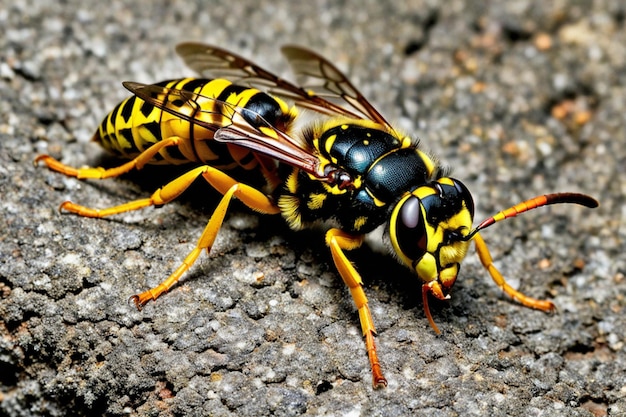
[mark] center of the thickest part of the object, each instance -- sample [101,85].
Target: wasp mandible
[350,168]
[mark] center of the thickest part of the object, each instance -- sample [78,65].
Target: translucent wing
[213,62]
[318,76]
[328,82]
[231,124]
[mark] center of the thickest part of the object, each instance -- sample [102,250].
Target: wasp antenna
[533,203]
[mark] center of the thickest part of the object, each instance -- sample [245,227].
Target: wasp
[349,169]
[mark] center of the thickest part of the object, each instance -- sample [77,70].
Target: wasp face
[427,231]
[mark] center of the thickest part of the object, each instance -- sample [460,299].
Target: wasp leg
[248,195]
[222,182]
[251,197]
[102,173]
[487,261]
[338,241]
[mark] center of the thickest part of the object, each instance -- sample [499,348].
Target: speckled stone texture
[518,98]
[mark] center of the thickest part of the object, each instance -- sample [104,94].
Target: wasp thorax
[428,228]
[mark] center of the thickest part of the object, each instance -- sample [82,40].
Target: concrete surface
[519,98]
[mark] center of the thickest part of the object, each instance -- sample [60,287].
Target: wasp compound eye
[410,213]
[410,232]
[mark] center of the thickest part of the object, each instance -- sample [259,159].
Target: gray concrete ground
[519,98]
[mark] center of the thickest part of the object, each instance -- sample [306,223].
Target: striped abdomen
[134,125]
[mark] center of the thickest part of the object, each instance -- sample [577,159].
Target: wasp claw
[39,158]
[137,301]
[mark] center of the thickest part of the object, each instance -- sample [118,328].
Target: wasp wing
[232,124]
[319,77]
[213,62]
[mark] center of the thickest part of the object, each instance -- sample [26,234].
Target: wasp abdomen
[134,124]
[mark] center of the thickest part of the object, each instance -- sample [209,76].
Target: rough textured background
[518,97]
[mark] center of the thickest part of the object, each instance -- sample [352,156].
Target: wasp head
[429,231]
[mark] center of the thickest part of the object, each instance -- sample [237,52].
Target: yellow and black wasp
[350,168]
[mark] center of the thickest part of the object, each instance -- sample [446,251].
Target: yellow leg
[338,241]
[101,173]
[252,197]
[487,261]
[222,182]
